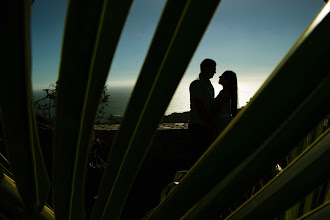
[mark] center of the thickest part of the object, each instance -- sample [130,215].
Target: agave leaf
[4,166]
[327,193]
[164,66]
[277,99]
[231,187]
[274,197]
[91,35]
[321,212]
[293,212]
[17,110]
[308,203]
[11,204]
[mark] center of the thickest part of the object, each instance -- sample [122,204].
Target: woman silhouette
[225,104]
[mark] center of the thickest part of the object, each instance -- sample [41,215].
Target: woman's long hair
[231,76]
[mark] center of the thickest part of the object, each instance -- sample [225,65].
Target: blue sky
[248,37]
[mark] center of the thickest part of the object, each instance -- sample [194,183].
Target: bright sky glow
[248,37]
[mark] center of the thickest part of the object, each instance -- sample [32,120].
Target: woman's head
[229,81]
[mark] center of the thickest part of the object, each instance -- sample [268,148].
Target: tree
[47,104]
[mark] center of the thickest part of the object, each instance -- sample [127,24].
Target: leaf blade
[98,37]
[313,162]
[160,72]
[18,117]
[229,189]
[218,160]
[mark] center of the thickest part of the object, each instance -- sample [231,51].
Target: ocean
[119,97]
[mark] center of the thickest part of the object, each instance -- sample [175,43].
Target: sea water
[119,98]
[120,95]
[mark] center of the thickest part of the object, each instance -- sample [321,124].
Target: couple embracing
[209,115]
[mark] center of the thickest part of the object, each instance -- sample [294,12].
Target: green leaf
[308,203]
[292,213]
[91,35]
[164,66]
[11,204]
[322,212]
[17,110]
[4,166]
[310,168]
[294,79]
[265,157]
[327,193]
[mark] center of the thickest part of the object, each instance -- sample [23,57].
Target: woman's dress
[223,117]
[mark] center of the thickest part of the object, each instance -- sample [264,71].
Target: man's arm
[204,116]
[199,101]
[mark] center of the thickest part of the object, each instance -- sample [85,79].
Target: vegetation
[46,105]
[288,105]
[46,108]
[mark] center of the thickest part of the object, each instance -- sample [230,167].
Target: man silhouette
[201,98]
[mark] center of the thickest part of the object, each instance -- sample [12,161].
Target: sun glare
[181,99]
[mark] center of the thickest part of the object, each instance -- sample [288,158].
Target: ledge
[163,126]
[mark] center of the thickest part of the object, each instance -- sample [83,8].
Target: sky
[248,37]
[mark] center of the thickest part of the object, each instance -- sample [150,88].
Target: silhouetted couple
[208,115]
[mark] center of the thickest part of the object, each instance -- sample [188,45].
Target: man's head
[208,68]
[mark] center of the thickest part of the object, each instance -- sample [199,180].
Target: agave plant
[91,35]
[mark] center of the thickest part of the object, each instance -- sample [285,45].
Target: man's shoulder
[195,83]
